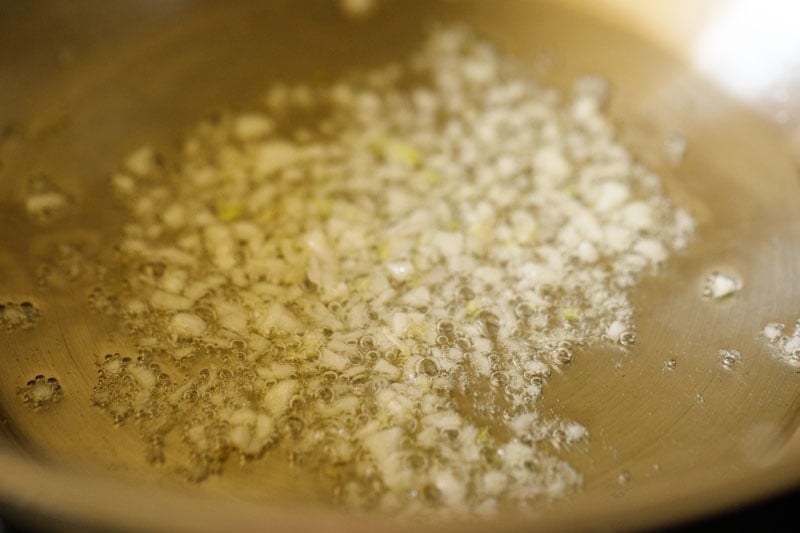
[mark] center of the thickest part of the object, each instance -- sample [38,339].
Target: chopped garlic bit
[773,331]
[785,344]
[675,148]
[187,325]
[141,162]
[719,285]
[253,126]
[44,200]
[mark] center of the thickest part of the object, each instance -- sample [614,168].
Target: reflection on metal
[751,46]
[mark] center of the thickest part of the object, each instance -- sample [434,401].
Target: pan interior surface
[91,83]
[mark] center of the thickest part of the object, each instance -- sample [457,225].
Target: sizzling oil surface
[73,122]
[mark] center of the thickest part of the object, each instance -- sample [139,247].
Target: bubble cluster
[40,392]
[15,316]
[103,301]
[66,263]
[44,200]
[785,344]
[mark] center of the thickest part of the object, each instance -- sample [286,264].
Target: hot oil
[89,338]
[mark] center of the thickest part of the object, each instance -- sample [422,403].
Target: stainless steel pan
[82,83]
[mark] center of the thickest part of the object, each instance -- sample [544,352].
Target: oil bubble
[421,349]
[490,323]
[627,338]
[729,358]
[499,379]
[465,293]
[416,461]
[428,367]
[367,342]
[562,357]
[465,344]
[445,327]
[324,394]
[524,310]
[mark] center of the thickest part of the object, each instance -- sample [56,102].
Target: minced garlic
[383,297]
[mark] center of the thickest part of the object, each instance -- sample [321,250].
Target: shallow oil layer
[666,434]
